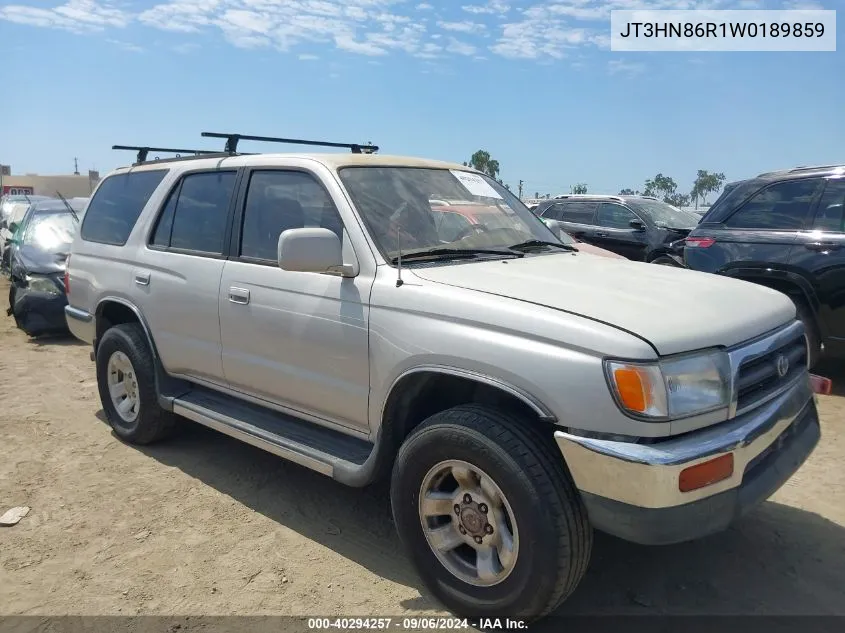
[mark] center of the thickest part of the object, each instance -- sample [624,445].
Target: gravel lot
[206,525]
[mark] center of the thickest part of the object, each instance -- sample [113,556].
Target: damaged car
[38,256]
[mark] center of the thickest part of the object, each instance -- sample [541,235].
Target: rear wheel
[126,382]
[488,514]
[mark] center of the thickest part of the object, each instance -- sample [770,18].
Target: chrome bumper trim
[646,475]
[77,314]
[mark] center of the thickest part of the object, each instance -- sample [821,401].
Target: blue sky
[533,82]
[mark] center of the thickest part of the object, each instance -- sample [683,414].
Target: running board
[332,453]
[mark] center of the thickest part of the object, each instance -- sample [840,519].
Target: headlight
[673,387]
[42,284]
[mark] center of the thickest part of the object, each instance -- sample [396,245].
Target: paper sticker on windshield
[475,184]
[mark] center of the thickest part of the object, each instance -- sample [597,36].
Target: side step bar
[342,457]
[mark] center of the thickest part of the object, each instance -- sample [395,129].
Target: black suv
[785,230]
[640,228]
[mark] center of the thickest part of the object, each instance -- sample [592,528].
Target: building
[70,186]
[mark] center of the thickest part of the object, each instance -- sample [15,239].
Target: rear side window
[579,212]
[782,206]
[196,214]
[831,214]
[114,209]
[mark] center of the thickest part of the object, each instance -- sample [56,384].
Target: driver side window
[614,216]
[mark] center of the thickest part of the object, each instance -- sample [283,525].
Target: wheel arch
[422,391]
[111,311]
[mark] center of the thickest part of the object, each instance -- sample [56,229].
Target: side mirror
[312,250]
[13,227]
[637,225]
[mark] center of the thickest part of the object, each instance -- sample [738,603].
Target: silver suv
[517,392]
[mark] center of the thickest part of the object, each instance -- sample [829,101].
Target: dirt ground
[204,524]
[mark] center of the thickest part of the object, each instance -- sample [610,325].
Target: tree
[660,187]
[482,162]
[706,183]
[627,192]
[580,188]
[677,200]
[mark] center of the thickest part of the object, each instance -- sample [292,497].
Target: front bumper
[38,313]
[631,490]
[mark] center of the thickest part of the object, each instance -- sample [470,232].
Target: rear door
[616,234]
[177,277]
[578,219]
[819,253]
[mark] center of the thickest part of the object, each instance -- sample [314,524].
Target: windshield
[665,215]
[403,207]
[50,231]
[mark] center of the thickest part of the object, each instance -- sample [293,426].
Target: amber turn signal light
[706,473]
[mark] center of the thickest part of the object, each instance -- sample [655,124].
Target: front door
[297,340]
[614,232]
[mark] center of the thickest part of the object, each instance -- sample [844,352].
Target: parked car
[12,210]
[637,227]
[518,393]
[38,255]
[784,230]
[459,219]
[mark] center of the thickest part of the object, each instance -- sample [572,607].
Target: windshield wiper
[69,208]
[449,253]
[535,243]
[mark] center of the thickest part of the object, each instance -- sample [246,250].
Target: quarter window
[115,207]
[783,206]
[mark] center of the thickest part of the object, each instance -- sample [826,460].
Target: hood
[42,262]
[674,309]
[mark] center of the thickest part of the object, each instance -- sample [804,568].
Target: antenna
[399,281]
[69,208]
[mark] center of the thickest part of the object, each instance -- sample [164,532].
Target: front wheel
[489,515]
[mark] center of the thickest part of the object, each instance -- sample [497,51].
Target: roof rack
[799,169]
[232,142]
[144,151]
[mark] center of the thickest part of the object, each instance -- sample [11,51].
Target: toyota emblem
[782,365]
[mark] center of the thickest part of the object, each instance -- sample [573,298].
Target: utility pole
[75,167]
[520,190]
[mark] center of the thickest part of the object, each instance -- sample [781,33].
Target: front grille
[758,377]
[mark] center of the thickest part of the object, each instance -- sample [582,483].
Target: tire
[665,261]
[121,344]
[805,315]
[549,521]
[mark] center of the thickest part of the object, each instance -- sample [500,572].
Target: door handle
[601,234]
[142,279]
[823,246]
[239,295]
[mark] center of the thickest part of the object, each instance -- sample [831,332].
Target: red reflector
[699,242]
[821,385]
[67,276]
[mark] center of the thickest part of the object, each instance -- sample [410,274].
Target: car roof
[801,172]
[333,161]
[598,197]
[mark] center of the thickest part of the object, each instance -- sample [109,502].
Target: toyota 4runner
[517,392]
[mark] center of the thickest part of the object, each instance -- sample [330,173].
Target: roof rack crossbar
[232,140]
[143,152]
